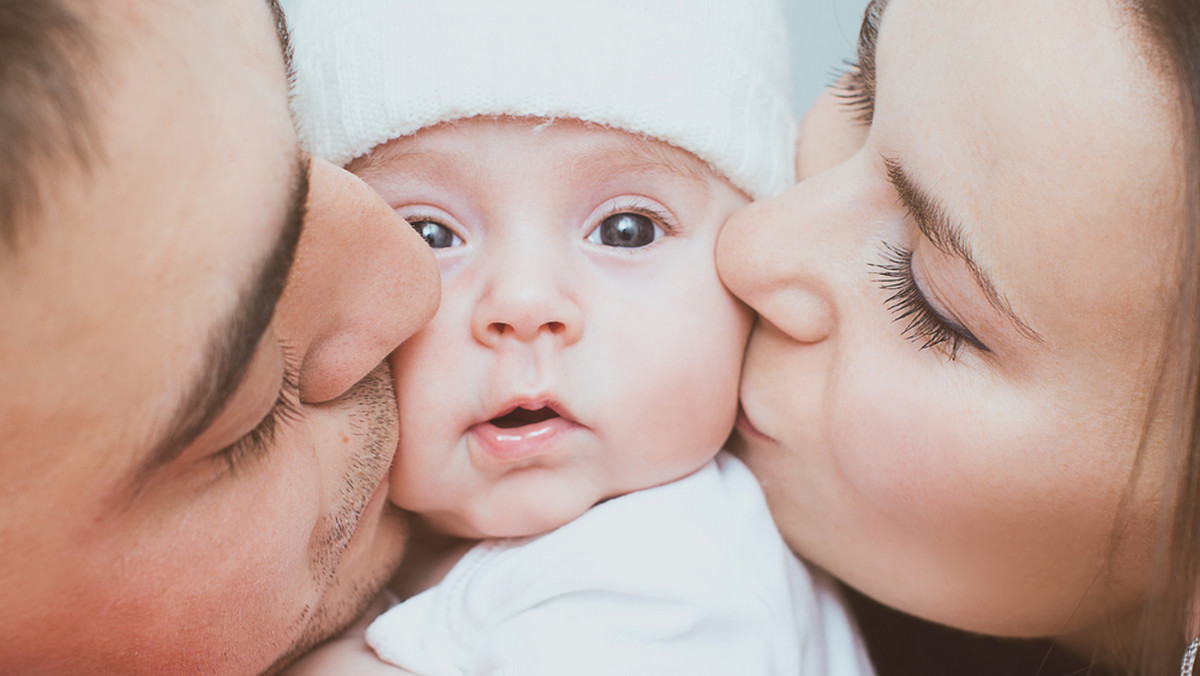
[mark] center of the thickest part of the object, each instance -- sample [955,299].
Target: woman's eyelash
[258,441]
[855,92]
[924,325]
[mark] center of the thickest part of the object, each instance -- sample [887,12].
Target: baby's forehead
[578,145]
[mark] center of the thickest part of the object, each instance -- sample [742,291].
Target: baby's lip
[528,411]
[523,430]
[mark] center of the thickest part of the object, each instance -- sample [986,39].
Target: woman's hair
[1169,617]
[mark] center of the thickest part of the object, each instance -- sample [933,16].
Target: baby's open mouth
[519,417]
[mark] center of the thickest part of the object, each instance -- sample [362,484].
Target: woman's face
[961,309]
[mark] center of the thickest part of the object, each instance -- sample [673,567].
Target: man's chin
[352,597]
[328,625]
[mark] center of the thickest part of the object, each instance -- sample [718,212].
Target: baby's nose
[527,302]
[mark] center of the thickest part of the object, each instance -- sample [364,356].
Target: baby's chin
[527,519]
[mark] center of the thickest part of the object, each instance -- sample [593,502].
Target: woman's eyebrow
[937,227]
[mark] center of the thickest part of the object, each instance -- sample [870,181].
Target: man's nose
[529,293]
[363,282]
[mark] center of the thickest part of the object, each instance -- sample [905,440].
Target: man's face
[138,534]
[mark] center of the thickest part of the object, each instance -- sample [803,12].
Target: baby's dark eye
[436,235]
[627,230]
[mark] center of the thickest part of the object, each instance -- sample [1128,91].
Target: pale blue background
[824,33]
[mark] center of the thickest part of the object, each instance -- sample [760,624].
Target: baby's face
[584,346]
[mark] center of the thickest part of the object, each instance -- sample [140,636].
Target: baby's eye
[628,230]
[435,234]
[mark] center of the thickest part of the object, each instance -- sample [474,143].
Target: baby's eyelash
[659,216]
[925,325]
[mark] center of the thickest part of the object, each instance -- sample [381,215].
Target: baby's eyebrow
[633,155]
[387,154]
[384,163]
[643,156]
[675,161]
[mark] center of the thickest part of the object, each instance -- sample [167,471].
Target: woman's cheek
[956,458]
[885,441]
[920,447]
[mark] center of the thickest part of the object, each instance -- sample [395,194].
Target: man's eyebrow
[947,237]
[233,342]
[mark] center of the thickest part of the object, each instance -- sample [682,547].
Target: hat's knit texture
[708,76]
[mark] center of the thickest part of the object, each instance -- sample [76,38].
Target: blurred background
[824,33]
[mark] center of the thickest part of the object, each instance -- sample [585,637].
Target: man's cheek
[243,586]
[251,531]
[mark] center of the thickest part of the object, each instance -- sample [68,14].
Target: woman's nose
[363,281]
[529,294]
[783,258]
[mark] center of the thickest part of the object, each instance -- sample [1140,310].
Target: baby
[571,164]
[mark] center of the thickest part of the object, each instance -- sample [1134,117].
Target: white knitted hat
[708,76]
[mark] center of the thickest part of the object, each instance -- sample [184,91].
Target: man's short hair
[47,53]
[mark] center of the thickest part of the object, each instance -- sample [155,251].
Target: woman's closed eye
[924,325]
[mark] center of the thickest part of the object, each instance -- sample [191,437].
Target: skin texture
[196,566]
[975,488]
[638,349]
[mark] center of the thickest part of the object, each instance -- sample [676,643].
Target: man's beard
[374,414]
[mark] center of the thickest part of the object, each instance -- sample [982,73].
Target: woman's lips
[521,433]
